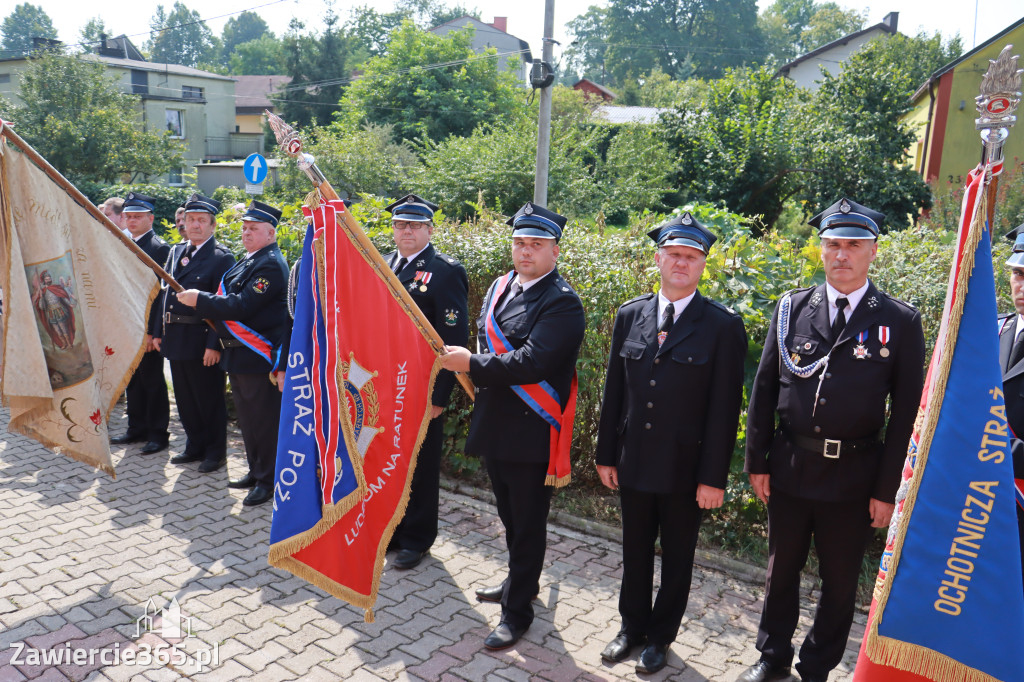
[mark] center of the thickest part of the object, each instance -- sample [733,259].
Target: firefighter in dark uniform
[148,406]
[1011,360]
[829,466]
[668,425]
[440,287]
[252,315]
[540,318]
[191,345]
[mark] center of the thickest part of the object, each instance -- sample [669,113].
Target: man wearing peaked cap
[191,346]
[529,334]
[251,309]
[440,287]
[148,406]
[1011,359]
[820,451]
[668,426]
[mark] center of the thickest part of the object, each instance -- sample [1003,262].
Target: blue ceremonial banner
[310,429]
[951,604]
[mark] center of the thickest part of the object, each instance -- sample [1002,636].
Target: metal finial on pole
[997,105]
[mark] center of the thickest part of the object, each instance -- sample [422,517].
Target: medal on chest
[860,351]
[420,280]
[883,336]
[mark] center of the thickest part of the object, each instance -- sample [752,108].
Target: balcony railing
[235,146]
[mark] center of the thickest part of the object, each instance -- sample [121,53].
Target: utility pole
[540,186]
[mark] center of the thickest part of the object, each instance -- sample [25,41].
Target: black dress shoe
[503,636]
[185,458]
[246,481]
[491,594]
[814,678]
[127,438]
[153,446]
[408,558]
[619,648]
[652,659]
[764,671]
[208,465]
[258,495]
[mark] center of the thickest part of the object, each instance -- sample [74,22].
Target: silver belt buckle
[167,318]
[832,448]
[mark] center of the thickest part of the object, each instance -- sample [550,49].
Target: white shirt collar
[136,239]
[1019,328]
[854,297]
[527,285]
[399,256]
[200,246]
[678,305]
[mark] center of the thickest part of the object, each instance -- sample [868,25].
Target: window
[190,92]
[176,123]
[176,177]
[140,82]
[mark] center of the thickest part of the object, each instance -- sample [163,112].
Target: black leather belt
[171,318]
[830,448]
[231,343]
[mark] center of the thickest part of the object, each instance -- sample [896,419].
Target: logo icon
[172,624]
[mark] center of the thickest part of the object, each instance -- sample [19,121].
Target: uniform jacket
[852,402]
[203,272]
[545,326]
[444,304]
[670,413]
[1013,377]
[157,249]
[255,295]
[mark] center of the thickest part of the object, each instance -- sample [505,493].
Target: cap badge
[528,209]
[845,206]
[687,220]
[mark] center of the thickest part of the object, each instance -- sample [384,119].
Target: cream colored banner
[75,307]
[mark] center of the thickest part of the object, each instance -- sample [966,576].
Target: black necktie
[401,265]
[666,323]
[1017,352]
[840,322]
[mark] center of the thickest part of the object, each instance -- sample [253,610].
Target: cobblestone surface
[81,555]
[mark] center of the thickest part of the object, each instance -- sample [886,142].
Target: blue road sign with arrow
[255,168]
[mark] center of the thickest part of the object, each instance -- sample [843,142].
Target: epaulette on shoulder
[446,259]
[798,290]
[724,308]
[900,302]
[643,297]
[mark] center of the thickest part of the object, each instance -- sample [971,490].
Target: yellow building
[947,143]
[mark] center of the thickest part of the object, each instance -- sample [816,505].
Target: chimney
[891,20]
[500,23]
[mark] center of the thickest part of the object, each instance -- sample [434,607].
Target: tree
[371,30]
[657,89]
[181,37]
[682,38]
[26,22]
[320,70]
[793,27]
[830,22]
[245,27]
[735,144]
[432,86]
[264,55]
[90,36]
[76,116]
[585,55]
[852,135]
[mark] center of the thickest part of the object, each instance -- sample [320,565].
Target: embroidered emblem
[873,302]
[364,404]
[261,285]
[816,298]
[451,317]
[420,263]
[845,206]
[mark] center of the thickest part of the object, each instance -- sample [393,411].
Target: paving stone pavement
[81,555]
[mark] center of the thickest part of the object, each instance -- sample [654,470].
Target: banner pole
[55,175]
[291,144]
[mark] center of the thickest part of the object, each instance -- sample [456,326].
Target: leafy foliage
[794,27]
[75,115]
[319,67]
[91,34]
[263,55]
[181,37]
[432,86]
[18,28]
[241,29]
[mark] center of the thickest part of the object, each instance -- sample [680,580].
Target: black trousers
[258,408]
[645,515]
[148,406]
[418,528]
[841,531]
[523,503]
[199,394]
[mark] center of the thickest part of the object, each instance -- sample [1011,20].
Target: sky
[975,20]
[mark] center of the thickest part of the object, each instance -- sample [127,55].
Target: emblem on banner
[363,403]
